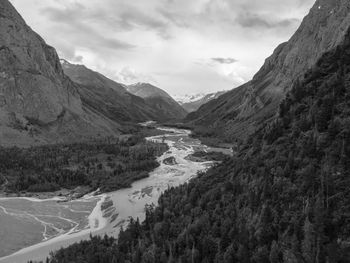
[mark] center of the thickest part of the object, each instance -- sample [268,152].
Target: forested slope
[283,198]
[103,165]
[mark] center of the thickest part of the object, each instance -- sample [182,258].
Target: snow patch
[188,98]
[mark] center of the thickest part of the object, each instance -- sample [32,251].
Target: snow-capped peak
[188,98]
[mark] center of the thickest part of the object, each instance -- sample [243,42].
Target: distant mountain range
[193,102]
[118,101]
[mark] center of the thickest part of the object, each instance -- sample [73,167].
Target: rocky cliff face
[32,81]
[237,112]
[38,103]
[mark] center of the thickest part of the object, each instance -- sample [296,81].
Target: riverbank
[47,222]
[62,194]
[130,201]
[214,143]
[205,156]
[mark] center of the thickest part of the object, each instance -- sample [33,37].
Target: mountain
[237,113]
[159,99]
[85,76]
[192,103]
[146,90]
[120,102]
[283,197]
[38,103]
[110,98]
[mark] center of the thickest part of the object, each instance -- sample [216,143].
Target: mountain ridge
[160,99]
[109,97]
[135,103]
[146,90]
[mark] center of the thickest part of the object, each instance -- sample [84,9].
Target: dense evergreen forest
[105,165]
[283,198]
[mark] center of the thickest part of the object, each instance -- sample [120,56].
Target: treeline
[283,198]
[105,165]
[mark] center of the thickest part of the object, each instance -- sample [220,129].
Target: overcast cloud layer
[181,46]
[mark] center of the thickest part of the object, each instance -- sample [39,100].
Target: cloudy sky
[182,46]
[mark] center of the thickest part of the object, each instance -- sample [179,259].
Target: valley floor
[113,210]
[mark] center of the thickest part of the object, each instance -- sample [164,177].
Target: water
[38,227]
[26,221]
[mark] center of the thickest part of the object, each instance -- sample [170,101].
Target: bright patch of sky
[181,46]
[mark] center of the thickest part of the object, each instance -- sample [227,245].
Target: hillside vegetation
[105,165]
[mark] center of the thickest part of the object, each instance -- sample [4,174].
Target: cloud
[78,59]
[119,16]
[161,41]
[71,19]
[250,20]
[129,75]
[224,60]
[133,18]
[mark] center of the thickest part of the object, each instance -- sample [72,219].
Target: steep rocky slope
[38,103]
[108,97]
[237,113]
[158,99]
[198,101]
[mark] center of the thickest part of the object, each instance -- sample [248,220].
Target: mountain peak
[159,98]
[146,90]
